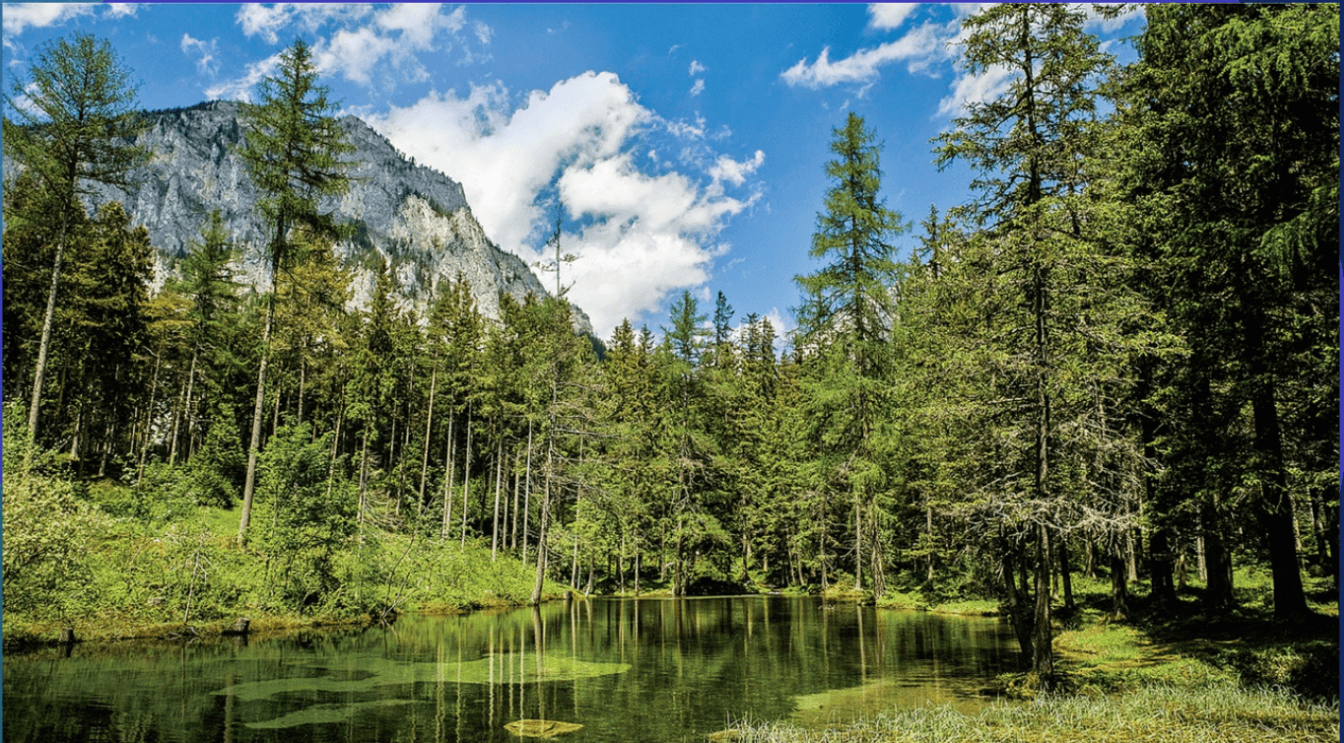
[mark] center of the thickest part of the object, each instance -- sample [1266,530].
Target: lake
[626,670]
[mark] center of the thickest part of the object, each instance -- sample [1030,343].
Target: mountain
[415,217]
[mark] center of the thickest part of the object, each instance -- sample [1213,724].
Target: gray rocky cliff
[415,217]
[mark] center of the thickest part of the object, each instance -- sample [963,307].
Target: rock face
[415,217]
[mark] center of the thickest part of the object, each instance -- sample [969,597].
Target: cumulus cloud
[696,67]
[241,88]
[204,51]
[728,169]
[369,44]
[20,16]
[698,88]
[920,47]
[889,15]
[585,142]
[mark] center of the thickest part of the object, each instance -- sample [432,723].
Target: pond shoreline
[36,636]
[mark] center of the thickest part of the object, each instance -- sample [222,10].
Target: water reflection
[626,670]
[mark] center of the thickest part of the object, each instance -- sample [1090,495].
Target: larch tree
[844,329]
[75,116]
[293,151]
[1068,323]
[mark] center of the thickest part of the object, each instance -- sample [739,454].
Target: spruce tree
[74,128]
[844,331]
[292,150]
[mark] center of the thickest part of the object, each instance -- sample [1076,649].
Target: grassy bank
[1219,712]
[113,571]
[1168,673]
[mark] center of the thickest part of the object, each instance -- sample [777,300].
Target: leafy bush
[47,531]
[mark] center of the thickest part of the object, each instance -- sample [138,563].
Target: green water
[626,670]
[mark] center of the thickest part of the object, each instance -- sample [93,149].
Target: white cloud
[889,15]
[355,53]
[728,169]
[241,89]
[417,23]
[698,88]
[673,49]
[685,129]
[696,67]
[968,89]
[368,45]
[121,10]
[206,50]
[637,235]
[20,16]
[920,47]
[483,33]
[268,20]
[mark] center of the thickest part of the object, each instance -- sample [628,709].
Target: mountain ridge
[415,217]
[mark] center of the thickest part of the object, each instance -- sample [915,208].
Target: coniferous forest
[1116,361]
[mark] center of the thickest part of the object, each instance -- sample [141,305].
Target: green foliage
[217,470]
[311,520]
[48,532]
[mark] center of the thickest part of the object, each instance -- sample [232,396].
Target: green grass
[1211,713]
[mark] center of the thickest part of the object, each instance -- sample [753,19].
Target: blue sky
[686,143]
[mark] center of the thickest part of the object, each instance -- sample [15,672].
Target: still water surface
[656,670]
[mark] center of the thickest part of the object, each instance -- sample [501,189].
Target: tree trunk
[1290,601]
[1018,616]
[1042,640]
[466,478]
[191,385]
[35,405]
[1160,568]
[429,427]
[1218,564]
[1119,586]
[541,535]
[149,416]
[363,475]
[448,479]
[858,543]
[527,490]
[1066,573]
[249,486]
[517,480]
[499,477]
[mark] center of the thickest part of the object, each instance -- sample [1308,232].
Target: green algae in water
[323,713]
[498,669]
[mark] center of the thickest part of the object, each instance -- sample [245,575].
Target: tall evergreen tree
[73,129]
[1068,323]
[1234,157]
[292,150]
[844,326]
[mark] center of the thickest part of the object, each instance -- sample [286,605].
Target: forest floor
[1170,674]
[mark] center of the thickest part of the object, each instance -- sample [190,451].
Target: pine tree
[73,129]
[292,151]
[1234,156]
[1066,325]
[844,328]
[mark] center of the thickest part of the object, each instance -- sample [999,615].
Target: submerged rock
[541,728]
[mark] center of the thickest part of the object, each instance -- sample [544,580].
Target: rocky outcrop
[413,216]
